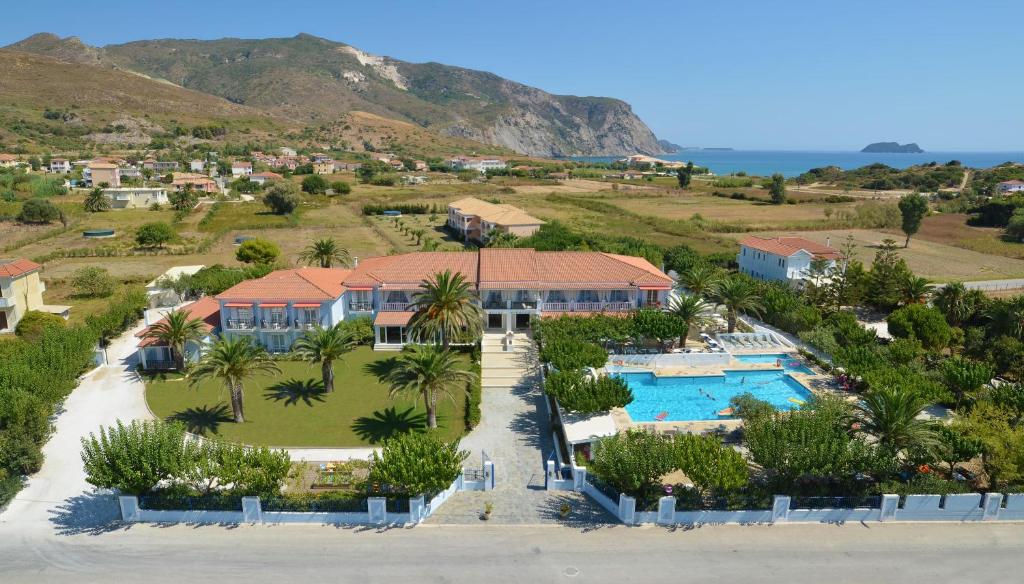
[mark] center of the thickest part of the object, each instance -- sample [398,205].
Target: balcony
[396,307]
[495,304]
[236,324]
[306,326]
[359,306]
[587,306]
[275,325]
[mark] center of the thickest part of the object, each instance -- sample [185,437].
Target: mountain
[893,147]
[313,81]
[668,147]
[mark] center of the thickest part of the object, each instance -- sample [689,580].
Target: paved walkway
[57,497]
[516,433]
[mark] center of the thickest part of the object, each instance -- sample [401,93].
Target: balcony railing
[359,306]
[396,307]
[495,305]
[236,324]
[275,325]
[306,326]
[524,304]
[587,306]
[618,306]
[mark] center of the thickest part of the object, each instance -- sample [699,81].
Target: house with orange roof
[783,259]
[514,286]
[21,290]
[262,178]
[8,160]
[200,182]
[475,220]
[102,173]
[60,165]
[154,354]
[241,168]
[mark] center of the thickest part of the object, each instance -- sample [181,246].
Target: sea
[794,162]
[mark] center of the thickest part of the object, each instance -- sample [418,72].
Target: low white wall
[311,518]
[671,360]
[602,499]
[155,516]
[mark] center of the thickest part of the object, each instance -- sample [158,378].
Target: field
[291,409]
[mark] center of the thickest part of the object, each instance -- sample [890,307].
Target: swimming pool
[702,397]
[789,362]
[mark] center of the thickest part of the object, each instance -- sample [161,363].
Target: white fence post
[990,506]
[627,509]
[666,511]
[417,509]
[377,508]
[488,475]
[252,510]
[780,508]
[887,510]
[549,474]
[579,478]
[129,508]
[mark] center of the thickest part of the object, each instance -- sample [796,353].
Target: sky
[774,75]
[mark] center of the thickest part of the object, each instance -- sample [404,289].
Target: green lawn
[291,409]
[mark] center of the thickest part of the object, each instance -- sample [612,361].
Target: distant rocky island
[893,147]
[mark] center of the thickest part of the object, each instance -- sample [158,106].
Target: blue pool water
[702,397]
[789,362]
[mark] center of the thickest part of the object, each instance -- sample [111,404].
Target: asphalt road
[793,554]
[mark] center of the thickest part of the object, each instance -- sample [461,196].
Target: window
[651,297]
[392,335]
[556,296]
[618,296]
[396,296]
[310,315]
[587,296]
[277,343]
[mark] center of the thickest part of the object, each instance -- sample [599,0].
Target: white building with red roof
[514,285]
[1011,186]
[784,259]
[154,354]
[21,290]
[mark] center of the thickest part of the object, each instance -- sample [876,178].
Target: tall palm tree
[701,279]
[430,373]
[737,295]
[915,290]
[446,307]
[325,252]
[176,330]
[891,416]
[687,308]
[232,362]
[324,346]
[96,201]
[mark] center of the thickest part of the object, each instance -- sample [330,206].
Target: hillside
[315,81]
[65,105]
[924,177]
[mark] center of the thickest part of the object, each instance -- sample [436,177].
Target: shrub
[633,462]
[282,198]
[93,282]
[569,355]
[927,325]
[38,211]
[341,187]
[154,234]
[136,457]
[585,395]
[314,184]
[31,325]
[258,251]
[361,330]
[417,464]
[714,468]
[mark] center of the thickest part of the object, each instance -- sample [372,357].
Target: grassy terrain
[291,409]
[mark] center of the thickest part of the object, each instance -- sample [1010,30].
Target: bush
[154,234]
[415,464]
[473,398]
[314,184]
[38,211]
[282,198]
[31,325]
[123,310]
[585,395]
[341,187]
[258,251]
[93,282]
[361,330]
[918,321]
[135,458]
[568,355]
[633,462]
[714,468]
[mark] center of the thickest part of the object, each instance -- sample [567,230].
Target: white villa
[477,163]
[136,197]
[784,259]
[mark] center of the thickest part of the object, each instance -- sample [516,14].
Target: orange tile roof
[268,175]
[17,267]
[392,318]
[787,246]
[206,308]
[4,157]
[316,284]
[407,271]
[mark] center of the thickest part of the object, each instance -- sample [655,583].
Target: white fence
[670,360]
[252,511]
[959,507]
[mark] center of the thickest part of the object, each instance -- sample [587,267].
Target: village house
[475,220]
[319,157]
[479,164]
[160,167]
[136,197]
[240,168]
[8,160]
[21,290]
[1011,186]
[350,166]
[783,259]
[154,354]
[262,178]
[323,167]
[197,165]
[60,165]
[199,182]
[514,285]
[286,151]
[102,174]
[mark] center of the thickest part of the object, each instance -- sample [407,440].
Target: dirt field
[930,259]
[952,229]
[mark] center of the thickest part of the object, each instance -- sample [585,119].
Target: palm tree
[430,373]
[176,330]
[96,201]
[955,302]
[418,234]
[891,416]
[324,346]
[232,362]
[701,279]
[446,307]
[737,295]
[689,309]
[325,252]
[915,290]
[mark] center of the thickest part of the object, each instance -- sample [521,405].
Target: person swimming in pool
[743,380]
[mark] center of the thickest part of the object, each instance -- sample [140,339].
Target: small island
[893,147]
